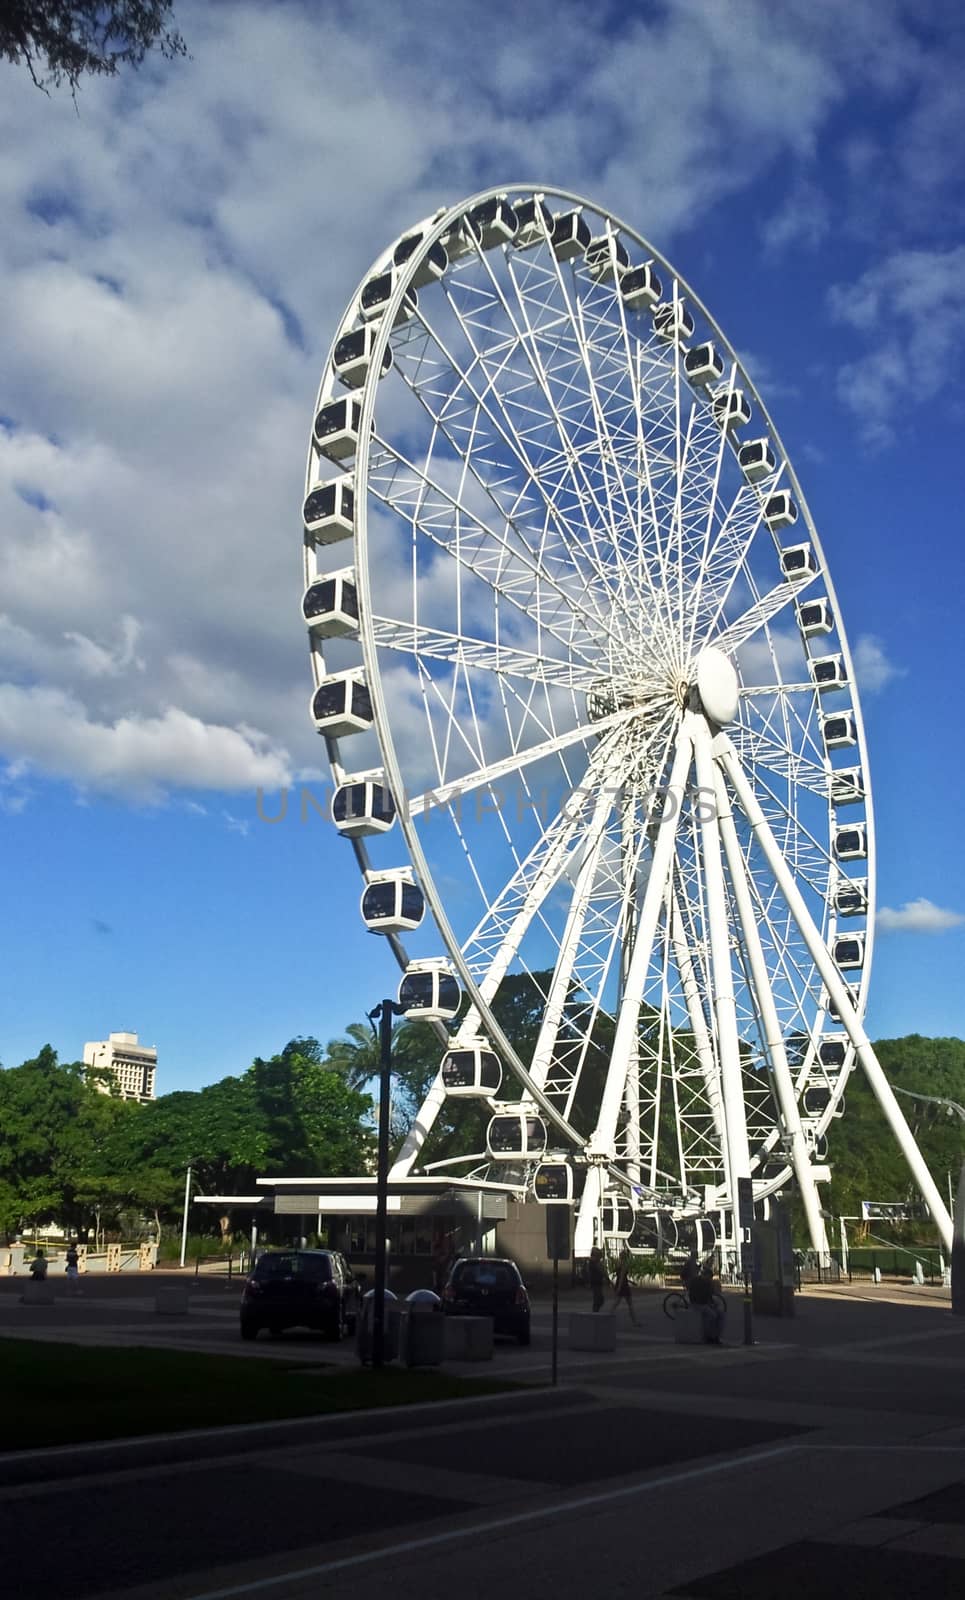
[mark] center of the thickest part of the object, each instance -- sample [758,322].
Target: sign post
[745,1220]
[557,1250]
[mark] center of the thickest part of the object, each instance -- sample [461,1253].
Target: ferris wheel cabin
[472,1071]
[362,807]
[839,730]
[392,903]
[607,258]
[730,407]
[848,951]
[798,561]
[492,223]
[703,365]
[330,605]
[850,843]
[554,1181]
[534,223]
[617,1217]
[851,898]
[756,460]
[329,511]
[352,355]
[780,511]
[516,1136]
[429,991]
[433,264]
[341,705]
[814,617]
[847,786]
[672,322]
[851,993]
[570,235]
[640,288]
[833,1050]
[829,672]
[376,295]
[336,429]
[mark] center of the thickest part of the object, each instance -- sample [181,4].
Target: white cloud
[872,669]
[803,219]
[917,916]
[910,311]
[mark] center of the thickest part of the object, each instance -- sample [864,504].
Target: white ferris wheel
[592,719]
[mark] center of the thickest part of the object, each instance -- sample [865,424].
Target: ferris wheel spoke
[764,610]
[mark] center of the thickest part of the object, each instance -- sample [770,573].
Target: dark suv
[488,1286]
[300,1289]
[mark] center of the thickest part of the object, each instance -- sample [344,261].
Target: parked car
[488,1286]
[300,1289]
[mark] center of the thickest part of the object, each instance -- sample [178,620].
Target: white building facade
[132,1066]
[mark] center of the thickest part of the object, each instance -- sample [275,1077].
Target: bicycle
[679,1300]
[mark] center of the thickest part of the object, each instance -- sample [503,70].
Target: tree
[58,40]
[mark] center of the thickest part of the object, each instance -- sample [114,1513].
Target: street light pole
[385,1013]
[184,1224]
[952,1108]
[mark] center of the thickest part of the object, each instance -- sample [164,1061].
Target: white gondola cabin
[640,288]
[756,460]
[839,730]
[851,897]
[492,223]
[833,1051]
[553,1183]
[704,364]
[847,786]
[376,295]
[851,994]
[337,427]
[432,266]
[730,407]
[429,991]
[848,951]
[516,1135]
[816,1099]
[570,235]
[352,356]
[814,617]
[829,672]
[780,510]
[329,511]
[798,561]
[391,902]
[330,605]
[672,322]
[362,807]
[607,258]
[534,223]
[471,1071]
[851,842]
[617,1216]
[341,705]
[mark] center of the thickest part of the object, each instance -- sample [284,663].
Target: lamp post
[184,1224]
[952,1109]
[384,1013]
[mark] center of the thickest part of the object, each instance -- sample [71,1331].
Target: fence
[222,1266]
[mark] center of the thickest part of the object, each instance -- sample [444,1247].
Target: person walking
[623,1289]
[73,1270]
[596,1275]
[38,1267]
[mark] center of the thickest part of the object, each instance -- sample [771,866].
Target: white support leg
[830,976]
[773,1032]
[628,1016]
[698,1024]
[725,1004]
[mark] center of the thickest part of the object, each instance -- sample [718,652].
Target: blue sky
[176,253]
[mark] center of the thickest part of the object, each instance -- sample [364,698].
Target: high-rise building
[131,1065]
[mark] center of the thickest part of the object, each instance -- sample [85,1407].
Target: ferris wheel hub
[717,685]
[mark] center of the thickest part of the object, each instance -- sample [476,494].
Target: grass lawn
[67,1393]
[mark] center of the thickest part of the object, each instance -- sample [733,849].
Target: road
[831,1455]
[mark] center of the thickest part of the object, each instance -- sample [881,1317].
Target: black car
[300,1289]
[488,1286]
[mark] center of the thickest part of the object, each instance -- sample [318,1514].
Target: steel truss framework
[621,762]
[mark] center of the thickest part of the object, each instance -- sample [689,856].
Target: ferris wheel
[592,721]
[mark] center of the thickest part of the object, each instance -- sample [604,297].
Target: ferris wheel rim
[442,224]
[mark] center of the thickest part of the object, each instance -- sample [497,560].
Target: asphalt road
[831,1455]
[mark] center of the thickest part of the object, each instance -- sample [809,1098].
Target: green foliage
[59,40]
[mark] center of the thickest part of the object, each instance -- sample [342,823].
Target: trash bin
[423,1330]
[363,1328]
